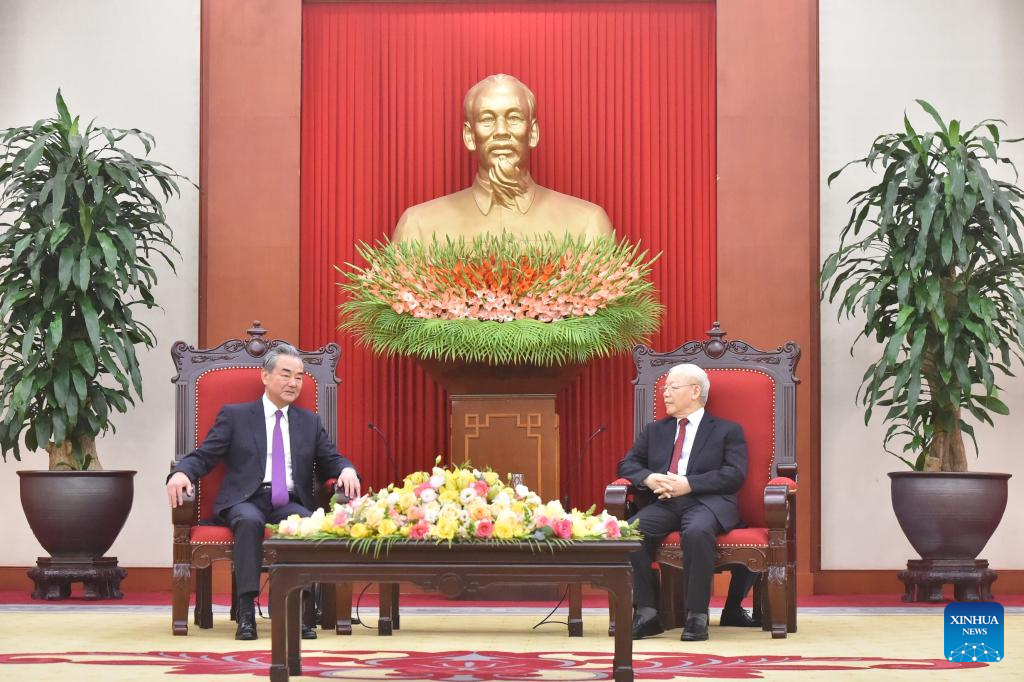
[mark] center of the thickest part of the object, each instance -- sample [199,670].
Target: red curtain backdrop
[626,106]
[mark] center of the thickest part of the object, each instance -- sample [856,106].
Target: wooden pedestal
[511,434]
[924,578]
[503,418]
[100,577]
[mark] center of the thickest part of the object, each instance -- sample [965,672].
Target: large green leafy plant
[931,257]
[82,229]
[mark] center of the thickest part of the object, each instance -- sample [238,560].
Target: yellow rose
[406,499]
[404,531]
[359,530]
[504,530]
[491,477]
[447,495]
[373,516]
[387,527]
[446,528]
[466,478]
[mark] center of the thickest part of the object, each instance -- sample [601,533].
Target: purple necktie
[278,484]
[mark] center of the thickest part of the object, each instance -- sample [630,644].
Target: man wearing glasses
[692,464]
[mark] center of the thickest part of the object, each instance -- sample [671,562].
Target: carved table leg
[620,584]
[293,602]
[284,591]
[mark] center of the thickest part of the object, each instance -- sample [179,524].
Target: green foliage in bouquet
[502,300]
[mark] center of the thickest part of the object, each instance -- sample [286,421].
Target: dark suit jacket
[239,437]
[716,469]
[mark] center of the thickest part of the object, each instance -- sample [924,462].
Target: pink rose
[421,487]
[481,488]
[419,531]
[562,528]
[340,517]
[484,529]
[416,513]
[542,521]
[611,528]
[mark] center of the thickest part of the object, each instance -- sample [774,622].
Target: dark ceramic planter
[76,515]
[947,515]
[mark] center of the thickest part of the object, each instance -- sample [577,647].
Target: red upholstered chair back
[747,397]
[230,373]
[752,387]
[221,386]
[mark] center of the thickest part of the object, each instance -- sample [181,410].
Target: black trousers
[248,521]
[698,529]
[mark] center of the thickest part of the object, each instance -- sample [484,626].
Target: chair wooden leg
[181,587]
[204,597]
[575,621]
[671,597]
[778,605]
[343,608]
[791,597]
[611,614]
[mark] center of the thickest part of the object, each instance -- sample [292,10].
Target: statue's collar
[484,200]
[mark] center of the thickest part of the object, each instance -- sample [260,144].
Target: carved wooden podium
[503,417]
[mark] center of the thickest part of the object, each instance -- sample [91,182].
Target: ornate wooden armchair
[757,389]
[206,380]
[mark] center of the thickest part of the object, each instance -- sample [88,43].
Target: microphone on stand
[387,447]
[583,450]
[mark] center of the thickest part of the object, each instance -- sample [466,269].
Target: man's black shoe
[308,632]
[738,617]
[646,627]
[246,627]
[696,629]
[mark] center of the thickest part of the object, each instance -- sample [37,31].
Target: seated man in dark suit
[693,464]
[269,447]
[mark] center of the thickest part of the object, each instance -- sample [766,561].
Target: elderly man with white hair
[692,464]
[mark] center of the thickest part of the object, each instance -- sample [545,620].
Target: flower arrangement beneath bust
[456,504]
[502,299]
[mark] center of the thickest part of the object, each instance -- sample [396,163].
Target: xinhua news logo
[973,632]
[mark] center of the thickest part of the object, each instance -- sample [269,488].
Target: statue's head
[501,127]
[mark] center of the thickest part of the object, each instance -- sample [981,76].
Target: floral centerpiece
[502,299]
[457,504]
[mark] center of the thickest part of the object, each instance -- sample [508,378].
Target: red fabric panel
[745,536]
[740,536]
[215,535]
[220,387]
[747,397]
[626,107]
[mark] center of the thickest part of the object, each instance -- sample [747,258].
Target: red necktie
[677,450]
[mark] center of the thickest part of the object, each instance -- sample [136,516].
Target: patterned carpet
[54,641]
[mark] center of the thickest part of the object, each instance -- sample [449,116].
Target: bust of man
[501,129]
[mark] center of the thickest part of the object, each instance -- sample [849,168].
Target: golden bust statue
[501,128]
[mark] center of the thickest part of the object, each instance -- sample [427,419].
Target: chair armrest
[186,513]
[617,497]
[325,492]
[779,494]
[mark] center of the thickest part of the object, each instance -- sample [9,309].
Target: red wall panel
[626,105]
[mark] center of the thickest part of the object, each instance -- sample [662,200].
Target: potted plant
[931,260]
[83,230]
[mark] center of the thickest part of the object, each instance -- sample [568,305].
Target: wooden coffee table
[459,569]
